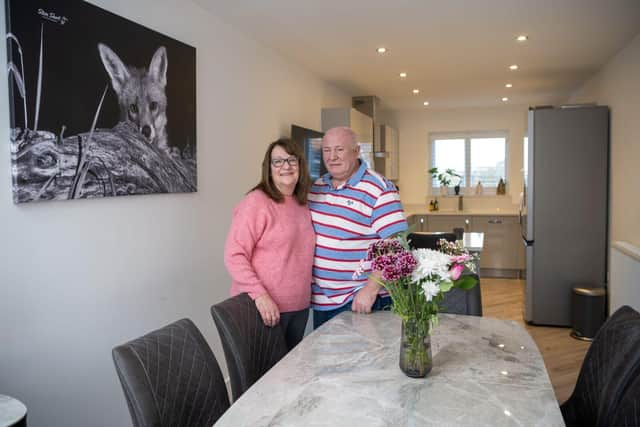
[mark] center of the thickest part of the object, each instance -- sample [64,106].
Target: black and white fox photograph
[100,106]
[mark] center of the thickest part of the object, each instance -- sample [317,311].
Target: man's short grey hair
[342,131]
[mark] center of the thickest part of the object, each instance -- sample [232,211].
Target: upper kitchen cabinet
[360,123]
[387,159]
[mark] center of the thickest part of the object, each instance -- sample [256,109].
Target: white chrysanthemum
[431,289]
[430,262]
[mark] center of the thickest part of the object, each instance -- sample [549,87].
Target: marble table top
[11,410]
[485,372]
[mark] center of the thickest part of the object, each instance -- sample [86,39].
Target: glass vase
[415,348]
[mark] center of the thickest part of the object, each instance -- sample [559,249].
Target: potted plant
[444,178]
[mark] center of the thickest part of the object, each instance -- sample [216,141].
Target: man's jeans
[319,317]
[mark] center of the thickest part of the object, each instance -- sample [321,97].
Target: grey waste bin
[588,312]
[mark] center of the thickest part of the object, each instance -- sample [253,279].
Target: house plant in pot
[444,178]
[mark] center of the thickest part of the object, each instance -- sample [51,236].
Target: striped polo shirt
[346,220]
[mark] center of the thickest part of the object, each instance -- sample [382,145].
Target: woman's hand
[268,310]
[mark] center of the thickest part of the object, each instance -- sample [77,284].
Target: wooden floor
[563,355]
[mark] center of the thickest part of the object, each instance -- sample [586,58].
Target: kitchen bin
[588,312]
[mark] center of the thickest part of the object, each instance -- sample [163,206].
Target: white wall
[414,127]
[79,277]
[618,86]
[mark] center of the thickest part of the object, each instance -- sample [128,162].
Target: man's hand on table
[365,297]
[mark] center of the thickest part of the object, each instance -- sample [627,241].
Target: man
[351,207]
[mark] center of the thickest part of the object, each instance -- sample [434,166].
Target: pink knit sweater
[269,249]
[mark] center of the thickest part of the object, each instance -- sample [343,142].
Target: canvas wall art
[100,106]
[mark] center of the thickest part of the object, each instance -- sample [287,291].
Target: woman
[269,249]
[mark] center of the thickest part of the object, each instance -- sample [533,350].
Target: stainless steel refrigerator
[564,208]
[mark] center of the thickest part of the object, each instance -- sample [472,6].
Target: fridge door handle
[520,207]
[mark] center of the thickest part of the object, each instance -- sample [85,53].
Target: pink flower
[456,271]
[461,258]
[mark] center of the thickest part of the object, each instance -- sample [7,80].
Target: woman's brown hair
[304,181]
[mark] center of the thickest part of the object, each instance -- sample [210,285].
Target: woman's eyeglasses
[278,163]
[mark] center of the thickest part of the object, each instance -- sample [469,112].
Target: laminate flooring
[563,355]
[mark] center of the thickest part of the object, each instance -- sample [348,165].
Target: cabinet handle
[495,221]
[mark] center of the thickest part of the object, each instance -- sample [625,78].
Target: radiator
[624,276]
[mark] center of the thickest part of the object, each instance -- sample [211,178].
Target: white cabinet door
[391,147]
[360,123]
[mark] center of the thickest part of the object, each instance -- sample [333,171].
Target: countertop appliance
[564,209]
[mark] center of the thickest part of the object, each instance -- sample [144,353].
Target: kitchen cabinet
[360,123]
[446,223]
[418,222]
[386,155]
[502,247]
[502,254]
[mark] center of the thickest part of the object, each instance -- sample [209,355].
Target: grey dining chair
[429,240]
[460,301]
[610,366]
[456,301]
[170,377]
[250,347]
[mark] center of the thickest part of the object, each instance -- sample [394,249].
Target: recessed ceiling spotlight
[416,91]
[508,85]
[522,38]
[381,50]
[505,99]
[425,103]
[513,67]
[403,75]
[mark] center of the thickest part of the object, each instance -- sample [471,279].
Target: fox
[141,94]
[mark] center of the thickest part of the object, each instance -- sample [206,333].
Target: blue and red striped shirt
[346,220]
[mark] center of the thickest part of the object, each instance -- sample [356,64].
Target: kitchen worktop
[424,210]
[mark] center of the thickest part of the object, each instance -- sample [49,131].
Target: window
[476,156]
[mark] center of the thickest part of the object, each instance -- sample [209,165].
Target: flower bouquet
[416,280]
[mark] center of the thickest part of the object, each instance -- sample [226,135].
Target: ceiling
[457,52]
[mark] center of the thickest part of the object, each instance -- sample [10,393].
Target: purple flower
[391,259]
[383,247]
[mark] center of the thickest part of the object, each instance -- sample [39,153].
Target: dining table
[13,413]
[486,372]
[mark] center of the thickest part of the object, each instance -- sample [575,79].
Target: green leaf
[465,282]
[445,286]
